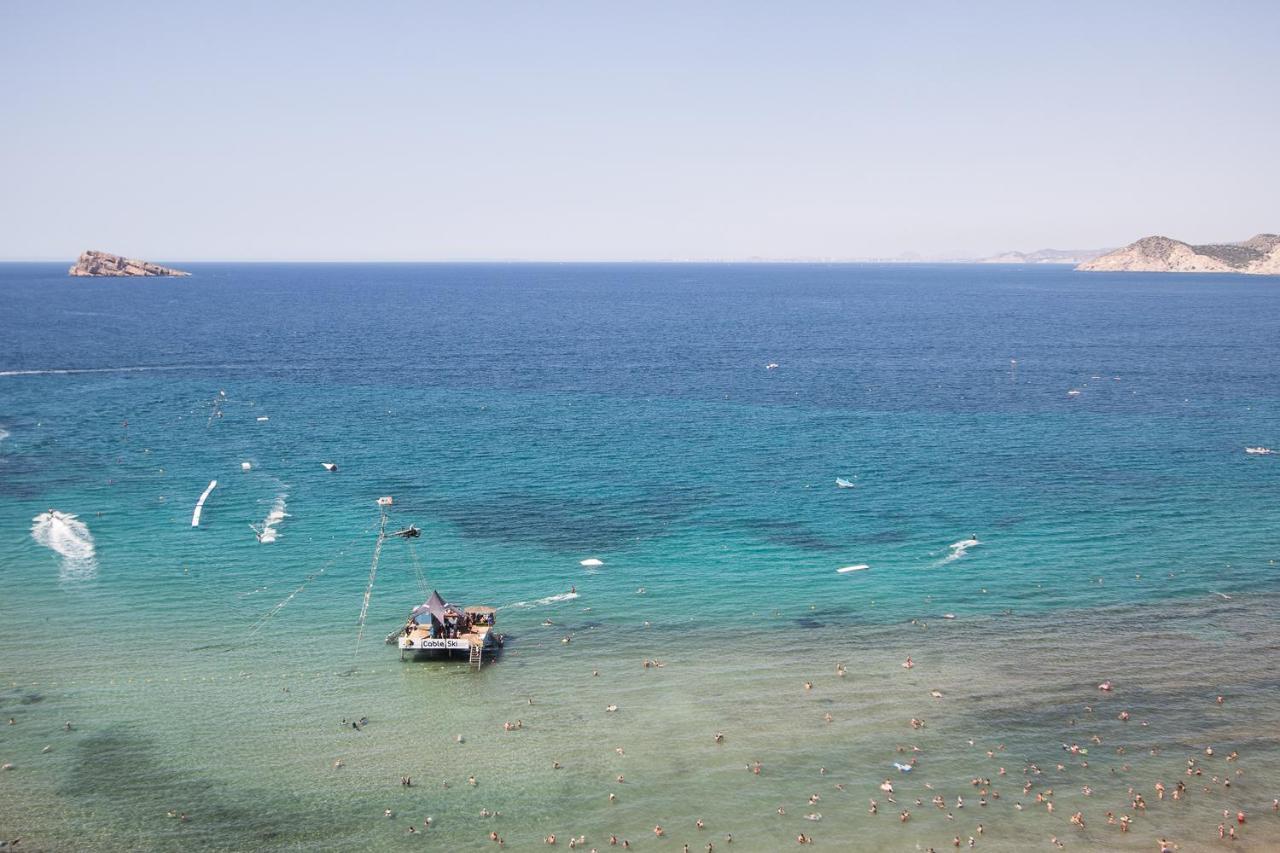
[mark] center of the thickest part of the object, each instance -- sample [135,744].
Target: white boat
[861,567]
[1259,451]
[842,483]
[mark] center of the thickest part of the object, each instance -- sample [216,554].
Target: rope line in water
[280,605]
[417,569]
[373,573]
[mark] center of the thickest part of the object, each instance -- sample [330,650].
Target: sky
[623,130]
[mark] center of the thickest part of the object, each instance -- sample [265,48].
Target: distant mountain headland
[1259,255]
[93,263]
[1045,256]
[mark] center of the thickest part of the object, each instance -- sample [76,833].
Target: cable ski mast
[383,503]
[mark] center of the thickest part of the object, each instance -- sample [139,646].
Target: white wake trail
[69,537]
[274,517]
[959,549]
[142,368]
[550,599]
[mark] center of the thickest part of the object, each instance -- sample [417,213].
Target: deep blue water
[550,412]
[528,417]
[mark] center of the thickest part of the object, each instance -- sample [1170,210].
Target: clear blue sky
[546,130]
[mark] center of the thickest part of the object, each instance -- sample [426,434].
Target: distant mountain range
[1045,256]
[1259,255]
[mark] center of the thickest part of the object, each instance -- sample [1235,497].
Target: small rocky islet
[94,263]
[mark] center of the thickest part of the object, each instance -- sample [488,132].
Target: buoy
[195,516]
[245,466]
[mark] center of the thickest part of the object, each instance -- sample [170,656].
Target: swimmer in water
[908,663]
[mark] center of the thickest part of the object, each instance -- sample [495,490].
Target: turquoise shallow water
[528,417]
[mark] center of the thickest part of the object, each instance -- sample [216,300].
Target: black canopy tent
[436,608]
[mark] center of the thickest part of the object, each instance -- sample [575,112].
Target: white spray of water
[277,514]
[66,535]
[550,599]
[959,549]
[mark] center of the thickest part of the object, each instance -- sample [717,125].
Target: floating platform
[439,629]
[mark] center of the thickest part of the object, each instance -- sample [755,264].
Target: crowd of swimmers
[1228,828]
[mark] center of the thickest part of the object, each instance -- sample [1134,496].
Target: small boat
[1259,451]
[436,627]
[861,567]
[842,483]
[331,467]
[410,532]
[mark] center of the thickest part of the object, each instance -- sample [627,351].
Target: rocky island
[93,263]
[1259,255]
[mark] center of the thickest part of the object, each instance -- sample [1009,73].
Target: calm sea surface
[684,424]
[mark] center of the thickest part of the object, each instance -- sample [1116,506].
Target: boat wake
[542,602]
[67,371]
[66,535]
[959,549]
[267,532]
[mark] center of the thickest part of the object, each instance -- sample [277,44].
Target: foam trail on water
[4,433]
[274,517]
[68,536]
[550,599]
[64,371]
[959,549]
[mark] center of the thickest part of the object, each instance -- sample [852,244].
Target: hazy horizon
[580,132]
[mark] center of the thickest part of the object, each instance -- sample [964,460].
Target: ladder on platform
[477,655]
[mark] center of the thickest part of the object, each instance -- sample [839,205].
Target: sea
[1045,476]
